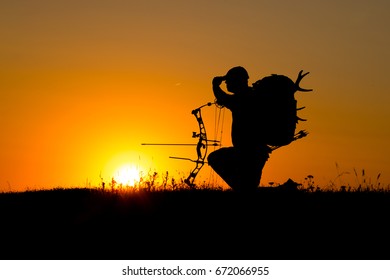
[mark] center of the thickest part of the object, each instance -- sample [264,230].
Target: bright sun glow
[127,175]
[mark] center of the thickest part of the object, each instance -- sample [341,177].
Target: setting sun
[127,175]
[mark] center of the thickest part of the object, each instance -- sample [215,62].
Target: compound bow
[201,146]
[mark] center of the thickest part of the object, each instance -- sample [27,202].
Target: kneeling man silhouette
[240,166]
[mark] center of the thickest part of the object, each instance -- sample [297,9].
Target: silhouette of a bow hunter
[264,119]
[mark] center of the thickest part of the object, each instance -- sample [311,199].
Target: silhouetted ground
[203,224]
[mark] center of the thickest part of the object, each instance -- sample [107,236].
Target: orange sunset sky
[84,83]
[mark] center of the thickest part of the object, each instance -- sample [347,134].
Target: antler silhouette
[297,136]
[299,78]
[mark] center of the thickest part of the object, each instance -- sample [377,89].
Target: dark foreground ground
[91,224]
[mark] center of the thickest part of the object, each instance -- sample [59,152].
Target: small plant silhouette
[310,185]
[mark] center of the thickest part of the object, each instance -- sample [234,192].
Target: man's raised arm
[222,97]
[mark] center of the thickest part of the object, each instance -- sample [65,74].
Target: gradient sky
[84,83]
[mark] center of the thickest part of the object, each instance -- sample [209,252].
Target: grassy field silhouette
[207,223]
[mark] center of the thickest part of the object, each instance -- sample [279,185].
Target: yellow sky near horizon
[84,83]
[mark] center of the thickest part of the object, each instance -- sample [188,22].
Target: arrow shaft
[167,144]
[174,144]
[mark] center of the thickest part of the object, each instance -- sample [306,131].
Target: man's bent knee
[212,159]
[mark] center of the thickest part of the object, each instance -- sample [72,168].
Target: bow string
[201,146]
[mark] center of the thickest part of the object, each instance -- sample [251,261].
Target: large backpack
[278,108]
